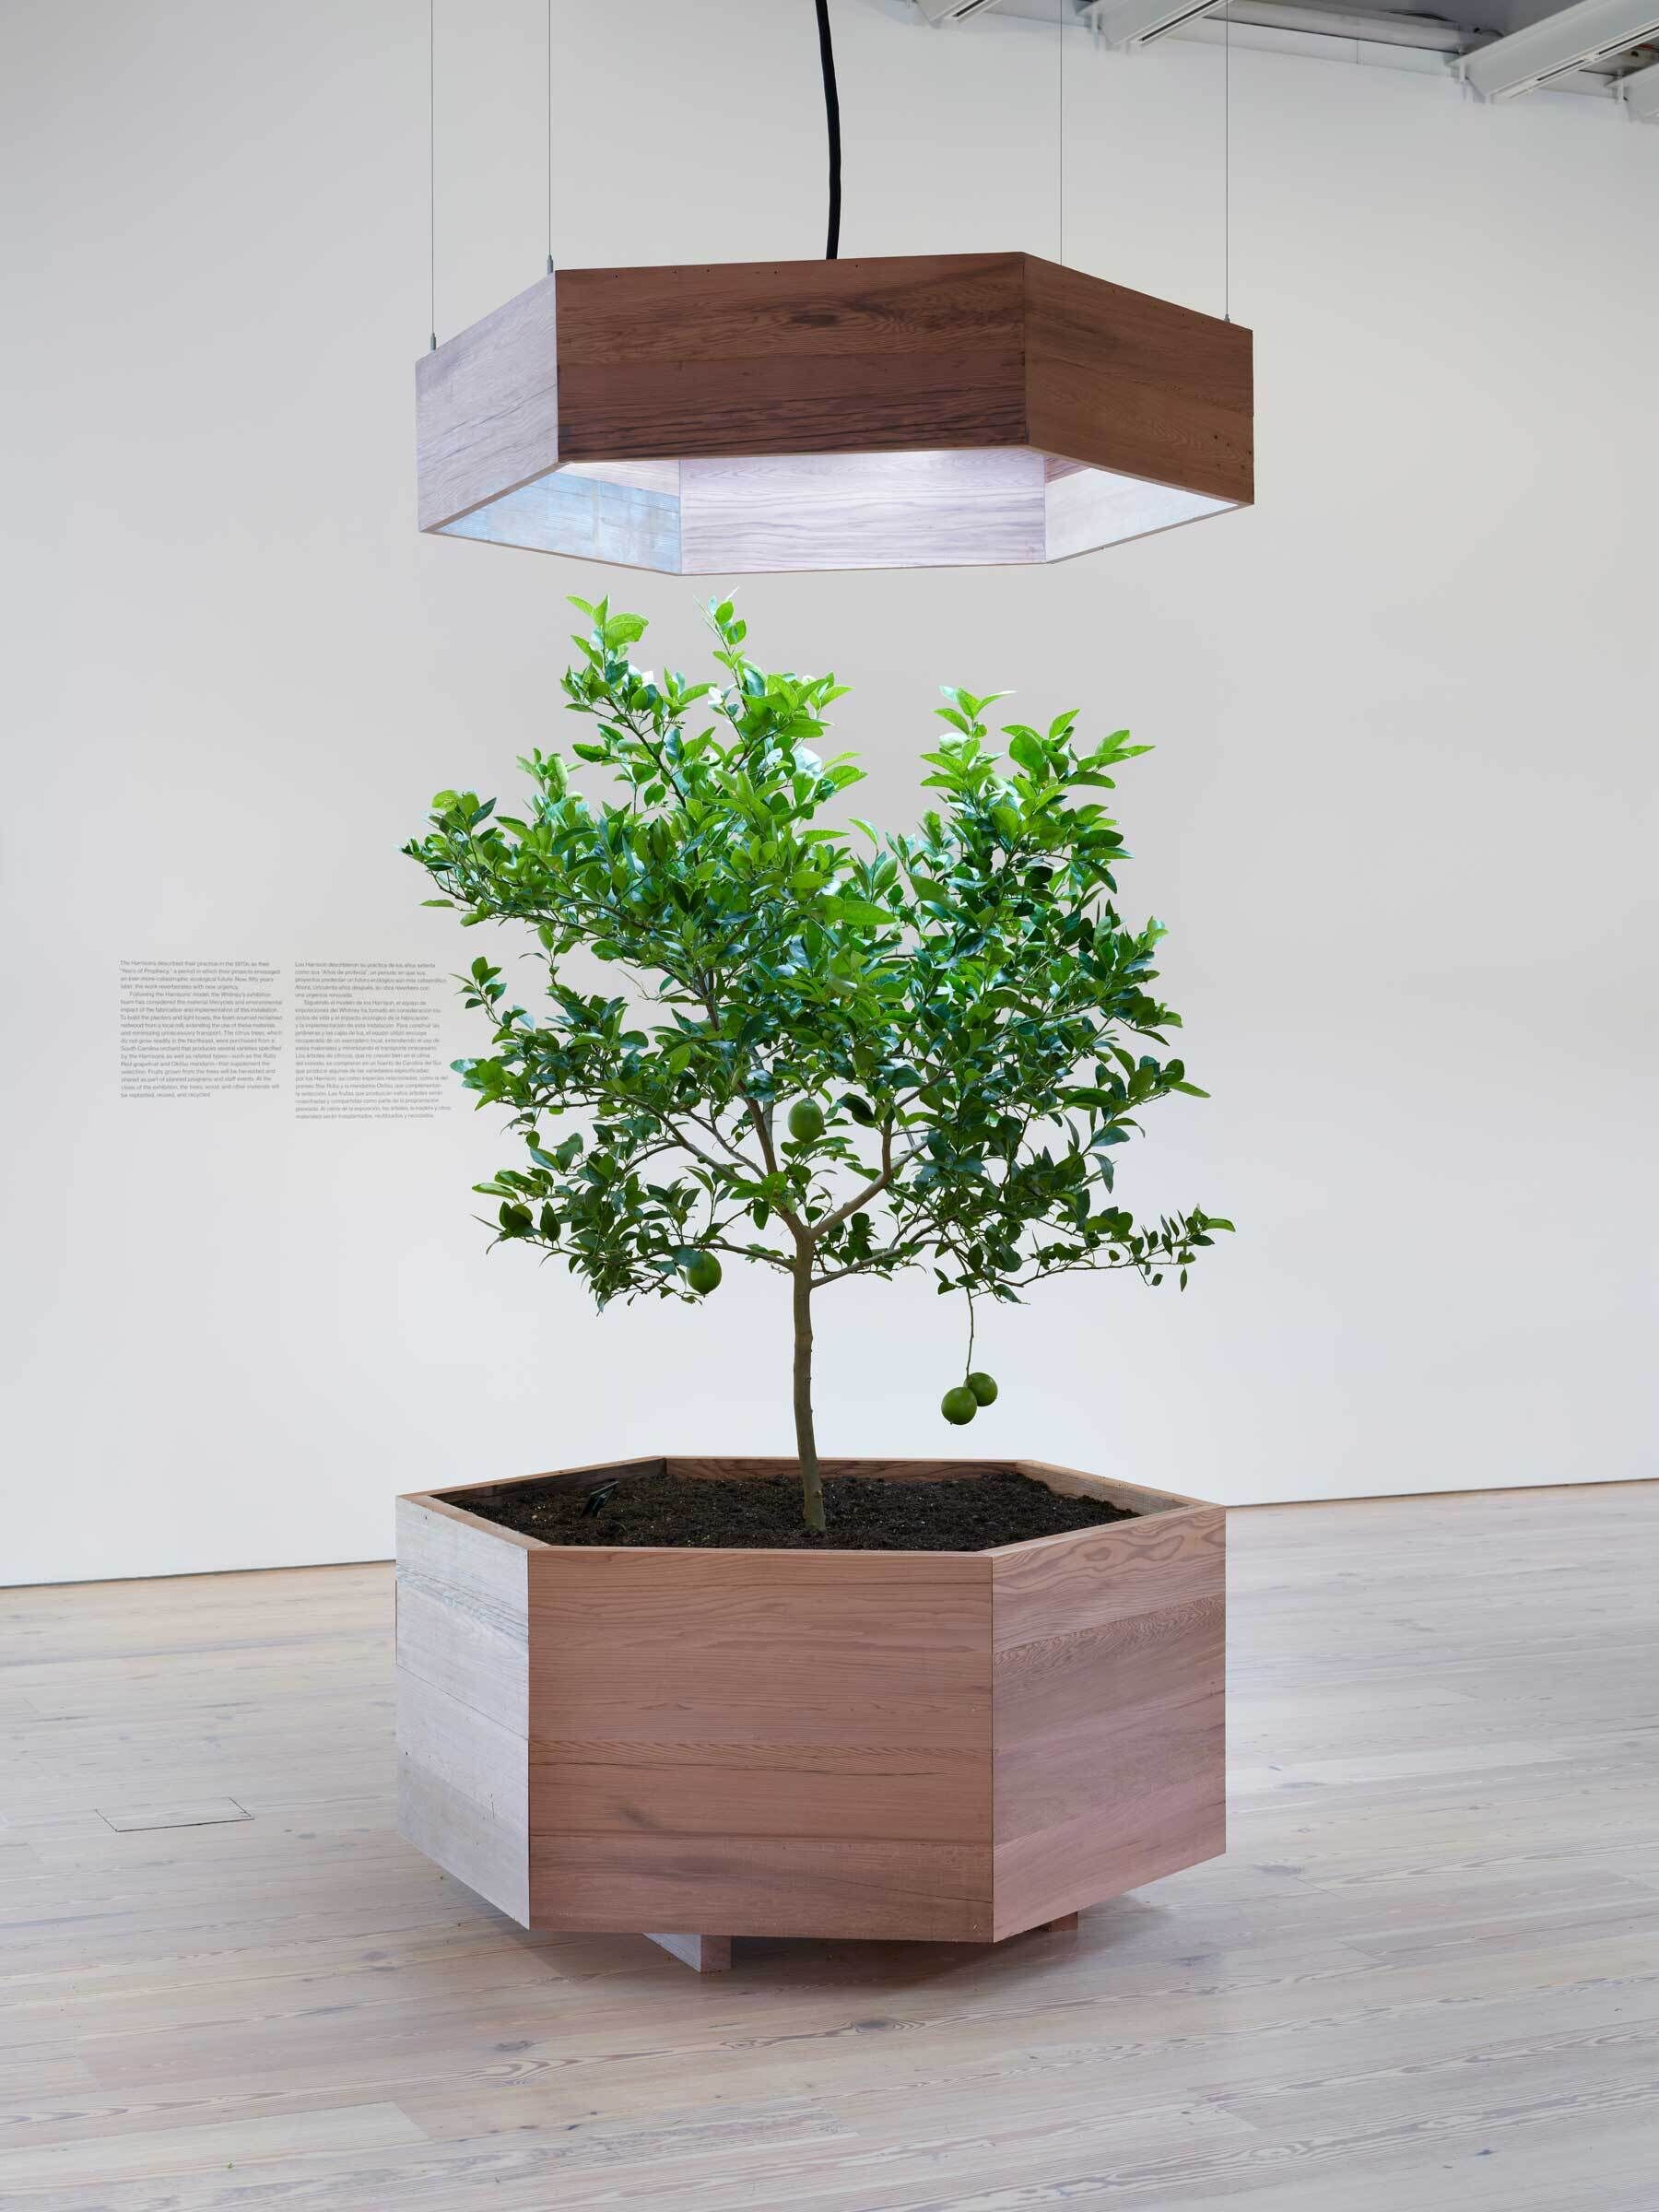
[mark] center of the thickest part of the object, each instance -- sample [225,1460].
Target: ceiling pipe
[942,12]
[1116,22]
[1129,23]
[1327,32]
[1555,46]
[1426,34]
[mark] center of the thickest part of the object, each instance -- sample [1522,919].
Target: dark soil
[763,1512]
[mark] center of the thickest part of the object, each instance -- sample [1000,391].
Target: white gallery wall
[1400,818]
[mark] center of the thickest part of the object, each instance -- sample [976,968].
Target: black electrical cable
[832,125]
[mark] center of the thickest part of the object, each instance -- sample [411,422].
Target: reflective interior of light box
[995,506]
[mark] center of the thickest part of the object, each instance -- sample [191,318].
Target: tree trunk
[812,1488]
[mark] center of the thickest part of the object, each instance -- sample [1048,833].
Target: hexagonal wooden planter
[940,1746]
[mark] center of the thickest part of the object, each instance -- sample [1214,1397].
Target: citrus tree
[829,1052]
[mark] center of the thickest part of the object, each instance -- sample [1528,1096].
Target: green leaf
[1026,748]
[839,908]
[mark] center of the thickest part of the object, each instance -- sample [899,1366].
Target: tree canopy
[830,1050]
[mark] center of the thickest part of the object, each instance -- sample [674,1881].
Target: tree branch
[860,1199]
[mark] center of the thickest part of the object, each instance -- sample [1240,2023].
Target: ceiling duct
[940,12]
[1125,23]
[1594,30]
[1642,94]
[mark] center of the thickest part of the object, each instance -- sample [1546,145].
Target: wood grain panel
[1128,1715]
[1097,1575]
[797,1742]
[868,1665]
[1135,429]
[863,511]
[463,1642]
[1137,385]
[462,1617]
[1138,338]
[1086,1860]
[486,408]
[766,1886]
[786,404]
[673,1646]
[913,1792]
[891,306]
[1108,1710]
[463,1793]
[792,357]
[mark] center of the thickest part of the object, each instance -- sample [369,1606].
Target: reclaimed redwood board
[1137,385]
[794,357]
[1109,1738]
[463,1689]
[486,408]
[923,409]
[939,1745]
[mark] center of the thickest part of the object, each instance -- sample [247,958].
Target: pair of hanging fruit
[963,1401]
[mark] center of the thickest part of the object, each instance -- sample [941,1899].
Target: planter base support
[702,1954]
[712,1954]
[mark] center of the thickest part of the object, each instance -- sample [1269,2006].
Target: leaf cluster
[964,1002]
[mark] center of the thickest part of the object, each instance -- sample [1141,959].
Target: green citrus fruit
[958,1406]
[704,1273]
[984,1387]
[805,1121]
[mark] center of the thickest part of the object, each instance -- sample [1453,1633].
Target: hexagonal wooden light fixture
[923,411]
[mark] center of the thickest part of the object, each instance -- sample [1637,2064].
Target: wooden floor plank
[1426,1976]
[221,2144]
